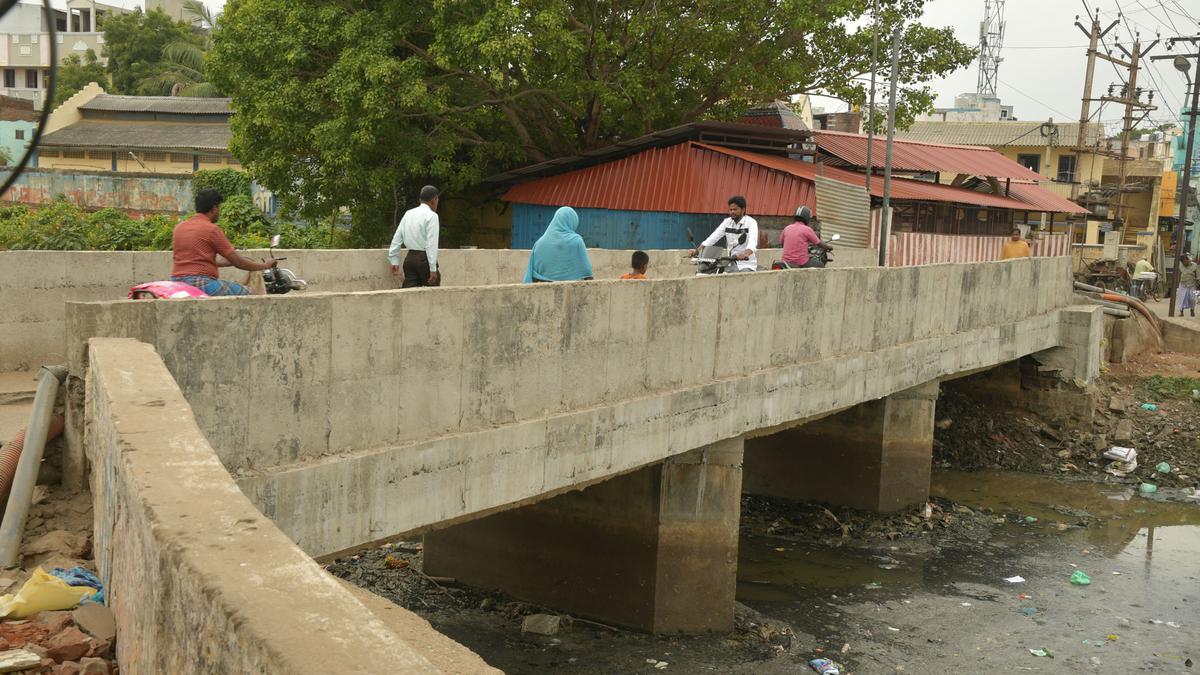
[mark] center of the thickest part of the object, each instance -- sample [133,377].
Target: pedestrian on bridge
[418,231]
[1189,280]
[1015,247]
[559,254]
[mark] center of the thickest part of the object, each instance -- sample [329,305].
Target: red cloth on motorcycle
[196,243]
[795,240]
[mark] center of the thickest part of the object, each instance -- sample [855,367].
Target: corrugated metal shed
[916,156]
[144,135]
[1041,199]
[684,178]
[902,188]
[843,209]
[1000,134]
[179,105]
[605,228]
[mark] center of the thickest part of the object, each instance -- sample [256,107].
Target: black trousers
[416,270]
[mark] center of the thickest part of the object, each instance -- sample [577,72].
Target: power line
[1042,103]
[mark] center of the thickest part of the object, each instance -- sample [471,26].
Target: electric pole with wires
[1131,98]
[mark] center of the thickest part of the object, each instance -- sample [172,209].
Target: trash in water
[1027,611]
[1121,469]
[1173,624]
[661,665]
[824,667]
[1147,488]
[873,586]
[1030,519]
[1015,580]
[1162,467]
[1120,454]
[1149,406]
[1024,596]
[1112,637]
[1080,579]
[893,629]
[965,604]
[1041,652]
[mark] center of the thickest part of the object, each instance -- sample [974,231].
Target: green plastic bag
[1080,579]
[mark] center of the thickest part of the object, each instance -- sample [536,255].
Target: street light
[1182,65]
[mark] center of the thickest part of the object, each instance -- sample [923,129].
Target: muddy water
[941,604]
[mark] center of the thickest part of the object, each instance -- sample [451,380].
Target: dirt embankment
[1147,405]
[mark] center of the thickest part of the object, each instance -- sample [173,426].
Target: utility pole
[1181,64]
[1094,37]
[885,228]
[1131,97]
[871,102]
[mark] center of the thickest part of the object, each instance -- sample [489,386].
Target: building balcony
[33,49]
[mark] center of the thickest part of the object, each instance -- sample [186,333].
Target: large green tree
[183,60]
[74,74]
[350,103]
[134,46]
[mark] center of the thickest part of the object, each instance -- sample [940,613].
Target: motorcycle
[277,281]
[818,257]
[712,262]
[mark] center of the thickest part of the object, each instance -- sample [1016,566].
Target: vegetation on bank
[63,226]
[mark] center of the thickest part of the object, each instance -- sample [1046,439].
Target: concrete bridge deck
[348,418]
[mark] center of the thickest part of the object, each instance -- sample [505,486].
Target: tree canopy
[350,103]
[134,45]
[74,74]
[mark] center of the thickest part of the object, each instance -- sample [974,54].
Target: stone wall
[35,284]
[198,579]
[354,417]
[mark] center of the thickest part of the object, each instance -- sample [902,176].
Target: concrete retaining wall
[35,284]
[198,579]
[353,417]
[138,194]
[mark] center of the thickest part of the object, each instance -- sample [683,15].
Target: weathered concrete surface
[395,411]
[1180,334]
[655,549]
[199,581]
[875,456]
[34,285]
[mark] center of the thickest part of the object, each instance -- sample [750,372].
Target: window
[72,154]
[31,79]
[209,159]
[10,77]
[181,159]
[47,153]
[1066,169]
[94,154]
[45,79]
[154,156]
[20,134]
[1033,162]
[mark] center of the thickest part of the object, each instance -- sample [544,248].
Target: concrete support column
[875,456]
[655,549]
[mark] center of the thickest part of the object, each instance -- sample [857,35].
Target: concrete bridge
[582,445]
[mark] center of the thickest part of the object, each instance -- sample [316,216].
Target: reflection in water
[1111,521]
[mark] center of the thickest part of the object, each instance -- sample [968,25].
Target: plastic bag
[43,592]
[254,281]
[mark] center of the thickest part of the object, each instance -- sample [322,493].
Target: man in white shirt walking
[741,235]
[418,231]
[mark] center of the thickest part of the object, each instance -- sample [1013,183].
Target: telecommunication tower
[991,39]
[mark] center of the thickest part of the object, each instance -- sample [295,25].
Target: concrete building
[95,131]
[847,122]
[971,107]
[25,42]
[17,123]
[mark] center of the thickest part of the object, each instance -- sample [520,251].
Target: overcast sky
[1044,54]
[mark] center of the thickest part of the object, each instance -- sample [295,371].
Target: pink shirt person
[795,240]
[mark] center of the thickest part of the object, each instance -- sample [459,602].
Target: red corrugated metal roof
[697,178]
[1030,198]
[1043,200]
[683,178]
[918,156]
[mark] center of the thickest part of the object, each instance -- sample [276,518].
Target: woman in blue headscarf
[559,255]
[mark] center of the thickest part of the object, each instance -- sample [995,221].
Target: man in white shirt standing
[741,235]
[418,231]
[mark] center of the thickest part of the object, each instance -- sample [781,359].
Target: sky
[1045,55]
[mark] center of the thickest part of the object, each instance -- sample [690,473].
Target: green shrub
[229,182]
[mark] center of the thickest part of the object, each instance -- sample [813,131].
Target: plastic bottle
[1080,579]
[1147,488]
[824,667]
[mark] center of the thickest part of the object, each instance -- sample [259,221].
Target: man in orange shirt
[1015,247]
[198,247]
[640,263]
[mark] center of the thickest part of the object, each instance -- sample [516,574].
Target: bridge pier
[875,456]
[655,549]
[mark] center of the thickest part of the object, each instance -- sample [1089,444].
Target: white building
[971,107]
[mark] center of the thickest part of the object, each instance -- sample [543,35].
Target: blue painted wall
[10,142]
[602,228]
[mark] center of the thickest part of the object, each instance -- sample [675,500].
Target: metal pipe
[885,227]
[871,100]
[13,526]
[1120,313]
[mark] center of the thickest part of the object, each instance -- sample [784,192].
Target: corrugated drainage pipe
[13,526]
[11,454]
[1135,304]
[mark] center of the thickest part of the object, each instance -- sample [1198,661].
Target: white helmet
[804,214]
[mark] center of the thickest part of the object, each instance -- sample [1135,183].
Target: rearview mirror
[691,237]
[835,237]
[274,240]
